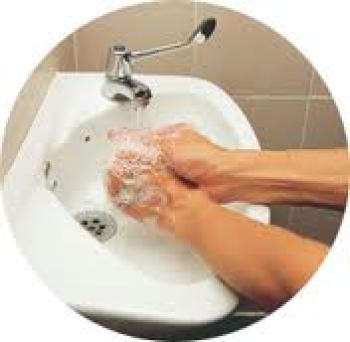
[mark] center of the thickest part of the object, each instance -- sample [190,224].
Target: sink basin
[97,259]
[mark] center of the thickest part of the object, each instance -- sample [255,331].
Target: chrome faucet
[121,86]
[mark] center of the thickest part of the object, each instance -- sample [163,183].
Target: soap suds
[135,157]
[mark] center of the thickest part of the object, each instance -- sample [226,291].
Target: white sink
[128,271]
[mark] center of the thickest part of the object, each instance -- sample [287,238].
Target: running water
[138,113]
[139,117]
[136,163]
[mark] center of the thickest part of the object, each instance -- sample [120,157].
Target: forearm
[265,263]
[294,176]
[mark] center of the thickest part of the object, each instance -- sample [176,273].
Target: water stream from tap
[134,159]
[139,111]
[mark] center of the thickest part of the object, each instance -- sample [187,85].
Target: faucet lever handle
[119,81]
[201,34]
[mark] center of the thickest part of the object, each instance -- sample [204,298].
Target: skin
[201,175]
[260,177]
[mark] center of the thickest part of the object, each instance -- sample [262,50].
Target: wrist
[230,174]
[189,214]
[248,176]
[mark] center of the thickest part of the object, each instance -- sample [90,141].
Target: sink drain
[98,223]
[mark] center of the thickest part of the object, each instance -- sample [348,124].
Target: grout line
[195,48]
[304,133]
[307,110]
[75,51]
[321,97]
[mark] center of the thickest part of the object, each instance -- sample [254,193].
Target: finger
[113,183]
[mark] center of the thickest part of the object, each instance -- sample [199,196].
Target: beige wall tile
[319,87]
[324,128]
[316,223]
[320,224]
[278,124]
[30,98]
[139,27]
[61,58]
[245,57]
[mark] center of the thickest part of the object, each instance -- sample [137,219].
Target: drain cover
[98,223]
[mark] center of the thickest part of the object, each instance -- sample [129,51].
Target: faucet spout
[126,89]
[120,86]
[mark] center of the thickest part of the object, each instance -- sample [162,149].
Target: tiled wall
[139,27]
[285,100]
[30,99]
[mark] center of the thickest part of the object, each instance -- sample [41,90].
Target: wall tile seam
[75,51]
[291,214]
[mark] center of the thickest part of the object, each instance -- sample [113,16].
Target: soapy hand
[140,183]
[194,158]
[259,177]
[145,179]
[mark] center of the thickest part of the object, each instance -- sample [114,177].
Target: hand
[195,159]
[139,183]
[260,177]
[190,154]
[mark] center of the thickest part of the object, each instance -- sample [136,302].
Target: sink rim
[201,84]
